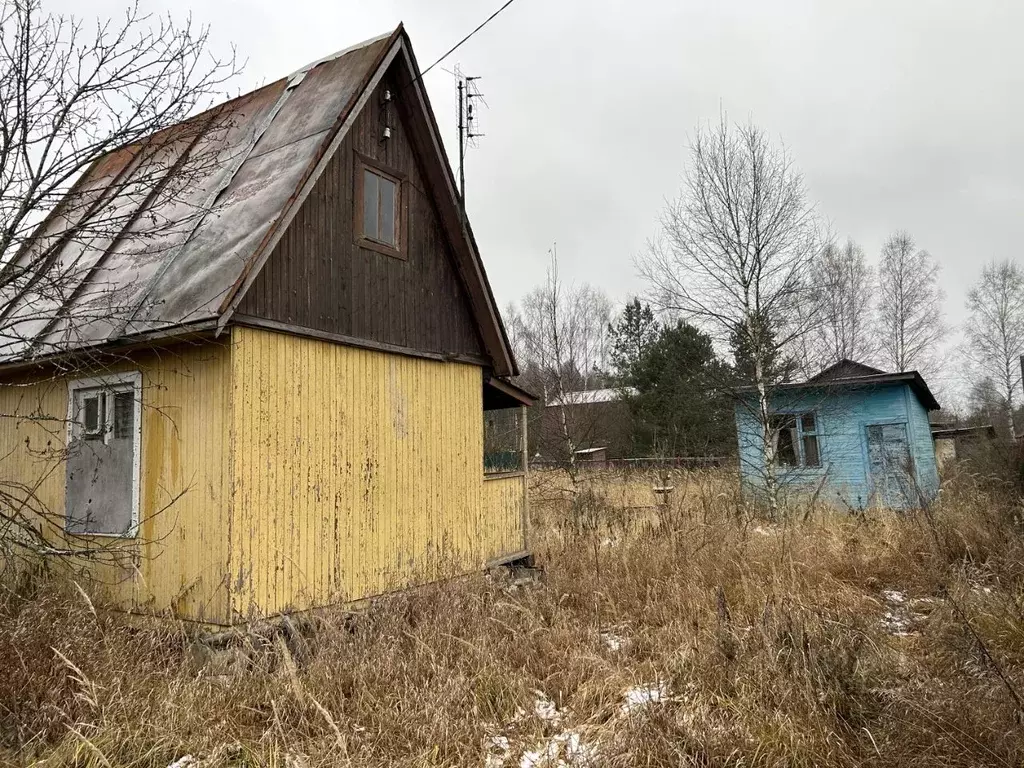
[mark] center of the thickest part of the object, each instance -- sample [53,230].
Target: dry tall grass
[684,634]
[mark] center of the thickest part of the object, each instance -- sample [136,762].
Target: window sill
[131,535]
[387,250]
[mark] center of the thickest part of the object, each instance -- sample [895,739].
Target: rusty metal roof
[176,258]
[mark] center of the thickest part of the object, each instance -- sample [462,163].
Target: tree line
[746,286]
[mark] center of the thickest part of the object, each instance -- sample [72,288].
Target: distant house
[853,434]
[592,418]
[285,407]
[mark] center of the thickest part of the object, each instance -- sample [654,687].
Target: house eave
[80,357]
[911,378]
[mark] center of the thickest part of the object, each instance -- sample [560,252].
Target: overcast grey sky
[899,114]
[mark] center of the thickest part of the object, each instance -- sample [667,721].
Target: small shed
[948,440]
[853,435]
[593,457]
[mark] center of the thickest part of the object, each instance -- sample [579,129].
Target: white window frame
[798,448]
[113,381]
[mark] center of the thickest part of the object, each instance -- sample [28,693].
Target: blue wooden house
[853,435]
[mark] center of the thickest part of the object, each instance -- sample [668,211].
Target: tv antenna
[469,95]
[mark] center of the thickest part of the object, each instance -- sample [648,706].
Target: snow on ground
[894,596]
[545,709]
[614,639]
[902,617]
[640,696]
[570,747]
[560,751]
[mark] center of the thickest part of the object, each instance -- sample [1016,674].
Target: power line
[463,40]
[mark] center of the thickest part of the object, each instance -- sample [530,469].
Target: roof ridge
[337,55]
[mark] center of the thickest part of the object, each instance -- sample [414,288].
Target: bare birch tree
[561,338]
[995,331]
[910,317]
[71,93]
[844,285]
[735,256]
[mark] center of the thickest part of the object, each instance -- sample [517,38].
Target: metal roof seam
[215,194]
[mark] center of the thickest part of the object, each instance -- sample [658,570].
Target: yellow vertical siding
[177,562]
[279,472]
[504,501]
[355,472]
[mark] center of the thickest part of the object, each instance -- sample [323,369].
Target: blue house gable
[852,435]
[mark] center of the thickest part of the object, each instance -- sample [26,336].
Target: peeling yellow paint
[356,473]
[177,560]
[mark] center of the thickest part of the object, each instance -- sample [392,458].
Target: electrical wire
[463,40]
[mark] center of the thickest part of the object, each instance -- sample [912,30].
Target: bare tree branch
[910,314]
[995,331]
[561,340]
[844,287]
[98,159]
[735,254]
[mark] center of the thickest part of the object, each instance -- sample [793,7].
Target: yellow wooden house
[267,391]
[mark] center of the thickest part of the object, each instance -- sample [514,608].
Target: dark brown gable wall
[318,278]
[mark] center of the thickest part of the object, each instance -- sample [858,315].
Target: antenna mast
[467,126]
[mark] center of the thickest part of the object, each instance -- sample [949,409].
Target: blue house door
[891,466]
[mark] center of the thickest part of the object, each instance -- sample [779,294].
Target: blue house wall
[843,416]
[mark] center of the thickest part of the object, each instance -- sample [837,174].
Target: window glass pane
[101,481]
[785,440]
[387,211]
[93,421]
[811,457]
[124,415]
[370,198]
[808,422]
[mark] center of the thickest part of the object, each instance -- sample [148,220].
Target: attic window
[378,209]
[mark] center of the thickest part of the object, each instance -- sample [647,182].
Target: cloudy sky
[900,114]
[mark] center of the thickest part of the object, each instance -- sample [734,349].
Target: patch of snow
[497,748]
[899,620]
[183,762]
[545,709]
[643,695]
[894,596]
[613,641]
[565,750]
[896,624]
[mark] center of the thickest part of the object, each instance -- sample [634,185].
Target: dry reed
[686,632]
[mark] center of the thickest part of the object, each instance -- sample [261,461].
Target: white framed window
[103,457]
[795,437]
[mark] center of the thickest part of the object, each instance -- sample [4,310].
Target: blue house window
[796,440]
